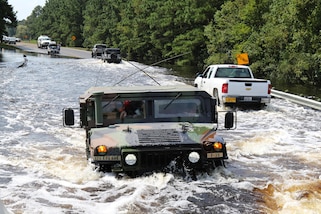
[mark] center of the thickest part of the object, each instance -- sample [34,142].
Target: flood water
[274,154]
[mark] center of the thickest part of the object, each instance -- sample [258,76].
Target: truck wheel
[215,95]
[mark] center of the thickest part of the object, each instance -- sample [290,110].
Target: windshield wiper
[177,96]
[112,100]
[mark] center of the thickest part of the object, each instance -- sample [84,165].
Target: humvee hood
[149,134]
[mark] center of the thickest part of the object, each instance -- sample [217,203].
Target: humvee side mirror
[229,120]
[69,117]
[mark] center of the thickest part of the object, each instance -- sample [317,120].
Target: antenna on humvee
[156,63]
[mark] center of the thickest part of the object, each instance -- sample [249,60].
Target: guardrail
[297,99]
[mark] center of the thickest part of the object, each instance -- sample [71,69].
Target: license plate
[107,158]
[215,155]
[247,98]
[230,99]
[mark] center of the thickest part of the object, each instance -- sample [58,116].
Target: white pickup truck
[234,85]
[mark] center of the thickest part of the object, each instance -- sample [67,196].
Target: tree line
[281,37]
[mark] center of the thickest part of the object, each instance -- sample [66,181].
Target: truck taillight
[269,89]
[225,88]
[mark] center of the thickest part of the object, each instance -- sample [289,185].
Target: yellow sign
[243,59]
[73,38]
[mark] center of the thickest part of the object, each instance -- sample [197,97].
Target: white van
[43,41]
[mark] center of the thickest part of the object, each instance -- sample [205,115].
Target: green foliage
[33,23]
[280,36]
[7,17]
[22,31]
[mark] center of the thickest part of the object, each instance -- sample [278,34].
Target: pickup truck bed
[234,85]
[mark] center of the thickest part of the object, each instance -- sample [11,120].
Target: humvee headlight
[194,157]
[101,150]
[218,146]
[130,159]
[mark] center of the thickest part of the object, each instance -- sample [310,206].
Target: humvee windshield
[130,109]
[152,109]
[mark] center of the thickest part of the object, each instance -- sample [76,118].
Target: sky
[24,8]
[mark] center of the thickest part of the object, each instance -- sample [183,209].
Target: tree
[62,20]
[7,16]
[33,23]
[22,31]
[100,23]
[234,28]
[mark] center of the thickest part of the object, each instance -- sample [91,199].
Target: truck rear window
[233,73]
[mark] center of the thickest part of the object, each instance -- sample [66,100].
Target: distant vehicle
[4,39]
[11,40]
[141,129]
[98,50]
[53,48]
[43,41]
[234,85]
[111,55]
[18,39]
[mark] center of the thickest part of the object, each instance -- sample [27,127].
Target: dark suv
[111,55]
[98,50]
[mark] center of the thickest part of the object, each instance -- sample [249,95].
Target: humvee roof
[138,89]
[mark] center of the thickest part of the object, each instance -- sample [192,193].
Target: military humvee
[148,128]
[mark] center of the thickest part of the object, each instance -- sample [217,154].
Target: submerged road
[64,51]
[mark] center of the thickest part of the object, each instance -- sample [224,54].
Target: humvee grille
[158,136]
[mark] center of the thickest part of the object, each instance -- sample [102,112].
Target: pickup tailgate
[250,87]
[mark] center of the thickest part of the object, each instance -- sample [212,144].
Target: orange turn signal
[218,146]
[102,149]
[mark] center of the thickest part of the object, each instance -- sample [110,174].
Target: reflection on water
[302,90]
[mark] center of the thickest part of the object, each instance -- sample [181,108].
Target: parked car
[98,50]
[234,85]
[4,39]
[111,55]
[12,40]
